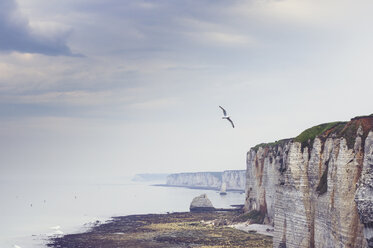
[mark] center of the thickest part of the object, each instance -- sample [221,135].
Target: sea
[32,210]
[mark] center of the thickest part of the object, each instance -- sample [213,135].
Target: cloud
[307,14]
[171,49]
[17,34]
[77,97]
[220,38]
[155,104]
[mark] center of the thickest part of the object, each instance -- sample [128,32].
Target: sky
[94,88]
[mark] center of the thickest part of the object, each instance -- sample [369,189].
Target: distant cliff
[234,179]
[316,189]
[149,177]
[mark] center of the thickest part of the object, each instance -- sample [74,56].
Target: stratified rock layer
[316,193]
[364,194]
[234,179]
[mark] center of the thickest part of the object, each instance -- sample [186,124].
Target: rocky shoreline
[177,230]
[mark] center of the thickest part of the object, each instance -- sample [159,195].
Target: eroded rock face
[201,203]
[234,179]
[315,196]
[364,194]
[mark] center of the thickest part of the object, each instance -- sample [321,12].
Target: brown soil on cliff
[178,230]
[349,130]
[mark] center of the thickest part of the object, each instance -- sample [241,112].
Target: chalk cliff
[234,179]
[316,189]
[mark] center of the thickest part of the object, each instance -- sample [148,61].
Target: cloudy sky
[110,88]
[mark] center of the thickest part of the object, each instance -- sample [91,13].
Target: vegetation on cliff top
[349,130]
[272,144]
[307,137]
[338,129]
[313,132]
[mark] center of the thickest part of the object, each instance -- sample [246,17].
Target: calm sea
[34,209]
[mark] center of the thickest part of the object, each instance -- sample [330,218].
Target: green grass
[307,137]
[313,132]
[278,142]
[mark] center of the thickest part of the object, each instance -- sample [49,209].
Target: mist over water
[33,208]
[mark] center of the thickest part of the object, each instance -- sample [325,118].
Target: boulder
[201,204]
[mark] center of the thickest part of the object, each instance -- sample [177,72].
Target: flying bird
[226,116]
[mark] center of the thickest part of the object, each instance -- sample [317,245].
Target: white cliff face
[234,179]
[198,179]
[320,196]
[364,194]
[262,175]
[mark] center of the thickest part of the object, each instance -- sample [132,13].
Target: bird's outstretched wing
[229,119]
[224,112]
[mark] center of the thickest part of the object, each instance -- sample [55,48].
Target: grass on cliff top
[338,129]
[271,144]
[313,132]
[306,137]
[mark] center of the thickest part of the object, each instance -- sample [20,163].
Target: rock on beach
[201,204]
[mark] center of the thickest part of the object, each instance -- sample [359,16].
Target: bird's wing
[224,112]
[229,119]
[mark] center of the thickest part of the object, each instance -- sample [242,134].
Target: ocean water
[32,210]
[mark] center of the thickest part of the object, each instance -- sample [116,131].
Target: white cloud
[210,33]
[153,104]
[319,14]
[78,98]
[49,29]
[227,38]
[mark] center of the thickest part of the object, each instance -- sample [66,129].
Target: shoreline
[180,229]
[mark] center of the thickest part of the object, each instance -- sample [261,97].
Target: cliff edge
[316,189]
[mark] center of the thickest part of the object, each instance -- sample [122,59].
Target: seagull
[226,116]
